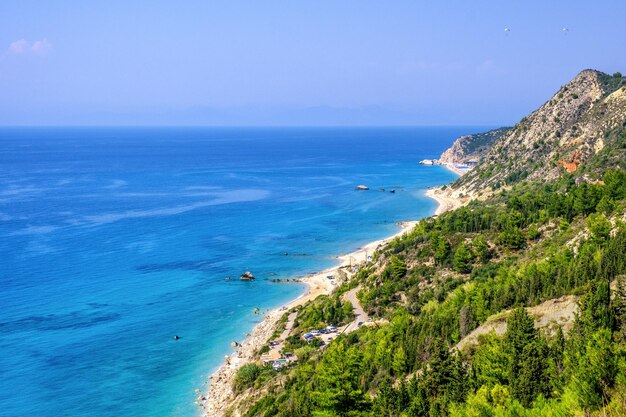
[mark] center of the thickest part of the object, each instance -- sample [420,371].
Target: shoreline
[457,171]
[218,395]
[446,201]
[219,391]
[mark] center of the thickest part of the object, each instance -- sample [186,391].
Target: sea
[114,240]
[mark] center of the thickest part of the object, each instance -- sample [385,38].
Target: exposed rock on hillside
[471,148]
[559,312]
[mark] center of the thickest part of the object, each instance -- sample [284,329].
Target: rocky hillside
[470,148]
[580,130]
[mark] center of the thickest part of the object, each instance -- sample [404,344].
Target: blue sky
[296,62]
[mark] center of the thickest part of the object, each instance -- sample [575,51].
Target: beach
[445,199]
[455,169]
[220,393]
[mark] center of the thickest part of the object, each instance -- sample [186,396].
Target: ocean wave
[226,197]
[116,184]
[35,230]
[14,191]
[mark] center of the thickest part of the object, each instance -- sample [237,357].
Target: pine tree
[481,248]
[532,376]
[463,258]
[528,365]
[442,252]
[399,362]
[337,380]
[596,371]
[557,351]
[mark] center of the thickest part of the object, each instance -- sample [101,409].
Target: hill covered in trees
[547,233]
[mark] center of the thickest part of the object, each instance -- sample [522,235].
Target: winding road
[360,316]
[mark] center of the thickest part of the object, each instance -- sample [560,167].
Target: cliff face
[469,148]
[581,128]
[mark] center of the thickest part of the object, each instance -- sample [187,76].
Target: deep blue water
[113,240]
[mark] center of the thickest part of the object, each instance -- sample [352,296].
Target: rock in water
[247,276]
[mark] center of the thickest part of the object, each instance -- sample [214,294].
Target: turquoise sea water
[113,240]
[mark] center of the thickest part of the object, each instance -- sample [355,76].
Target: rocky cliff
[471,148]
[580,129]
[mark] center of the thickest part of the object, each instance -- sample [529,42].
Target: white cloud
[19,47]
[25,47]
[41,47]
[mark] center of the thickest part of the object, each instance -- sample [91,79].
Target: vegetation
[436,284]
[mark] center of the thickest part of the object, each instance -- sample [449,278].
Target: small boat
[392,191]
[362,187]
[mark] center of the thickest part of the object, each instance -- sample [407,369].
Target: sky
[252,63]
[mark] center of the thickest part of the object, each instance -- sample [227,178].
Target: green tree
[491,362]
[246,376]
[532,376]
[512,238]
[595,374]
[336,384]
[442,252]
[347,309]
[556,366]
[398,266]
[606,205]
[528,364]
[399,363]
[594,309]
[463,257]
[481,248]
[599,225]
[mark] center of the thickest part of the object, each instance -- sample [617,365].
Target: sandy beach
[453,168]
[446,200]
[220,394]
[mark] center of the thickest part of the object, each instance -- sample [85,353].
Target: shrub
[246,376]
